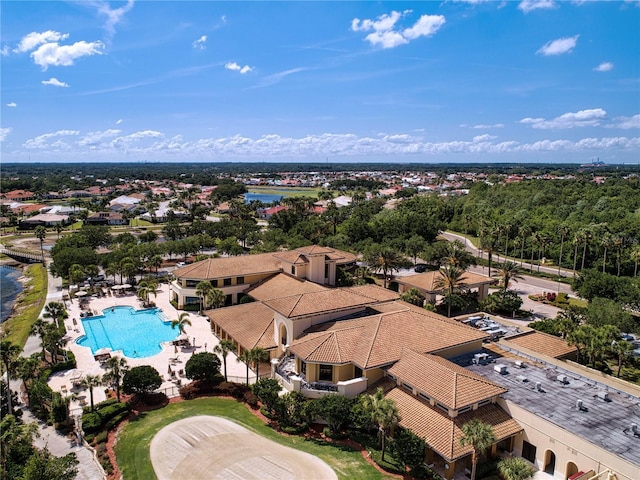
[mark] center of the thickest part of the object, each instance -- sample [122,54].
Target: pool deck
[205,340]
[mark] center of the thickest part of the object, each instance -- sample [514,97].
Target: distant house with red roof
[18,195]
[267,213]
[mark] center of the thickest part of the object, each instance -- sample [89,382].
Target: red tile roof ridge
[373,339]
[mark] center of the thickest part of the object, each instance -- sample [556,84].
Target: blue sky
[451,81]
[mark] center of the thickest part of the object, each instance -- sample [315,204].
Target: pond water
[10,287]
[265,198]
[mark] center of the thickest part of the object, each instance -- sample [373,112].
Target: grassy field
[132,448]
[28,305]
[286,191]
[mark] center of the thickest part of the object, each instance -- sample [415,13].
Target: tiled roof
[249,324]
[292,256]
[281,285]
[449,384]
[426,281]
[374,292]
[377,340]
[222,267]
[317,302]
[544,343]
[443,433]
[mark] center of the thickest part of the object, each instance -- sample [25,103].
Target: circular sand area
[206,447]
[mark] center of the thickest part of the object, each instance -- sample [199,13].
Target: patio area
[169,362]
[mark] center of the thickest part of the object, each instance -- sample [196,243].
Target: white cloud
[42,141]
[484,138]
[64,55]
[114,16]
[582,118]
[55,82]
[483,126]
[5,50]
[4,133]
[234,66]
[12,104]
[529,5]
[626,122]
[384,34]
[34,39]
[604,67]
[559,46]
[119,121]
[201,43]
[95,138]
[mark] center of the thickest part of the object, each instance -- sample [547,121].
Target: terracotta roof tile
[447,383]
[443,433]
[374,292]
[317,302]
[378,340]
[249,324]
[213,268]
[281,285]
[544,343]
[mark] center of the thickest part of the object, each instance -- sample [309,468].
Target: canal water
[265,198]
[10,287]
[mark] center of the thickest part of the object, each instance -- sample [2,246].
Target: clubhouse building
[567,420]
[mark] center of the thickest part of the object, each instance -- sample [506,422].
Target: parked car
[180,264]
[421,268]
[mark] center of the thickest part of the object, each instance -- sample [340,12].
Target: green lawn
[288,191]
[28,306]
[132,448]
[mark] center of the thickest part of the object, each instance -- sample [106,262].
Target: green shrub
[295,430]
[116,420]
[189,391]
[101,438]
[250,399]
[487,469]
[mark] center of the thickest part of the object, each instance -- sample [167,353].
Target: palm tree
[40,232]
[489,244]
[585,236]
[383,413]
[258,354]
[564,231]
[480,436]
[382,258]
[635,256]
[622,349]
[89,382]
[8,355]
[223,348]
[524,233]
[203,289]
[515,468]
[54,340]
[508,271]
[116,369]
[146,288]
[55,311]
[457,255]
[216,298]
[39,329]
[450,278]
[606,242]
[180,322]
[245,356]
[27,369]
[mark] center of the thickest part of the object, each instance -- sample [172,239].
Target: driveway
[216,448]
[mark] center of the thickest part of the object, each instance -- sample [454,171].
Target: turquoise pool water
[138,333]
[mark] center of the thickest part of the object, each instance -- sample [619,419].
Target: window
[326,373]
[227,282]
[293,270]
[528,451]
[357,372]
[407,386]
[214,283]
[326,270]
[465,409]
[303,367]
[228,300]
[239,280]
[191,283]
[423,396]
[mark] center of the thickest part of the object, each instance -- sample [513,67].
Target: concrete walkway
[58,444]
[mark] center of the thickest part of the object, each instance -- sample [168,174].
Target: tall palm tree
[524,232]
[457,255]
[203,289]
[245,357]
[507,272]
[56,311]
[480,436]
[223,348]
[606,242]
[621,349]
[383,413]
[489,244]
[115,371]
[28,369]
[39,329]
[515,468]
[450,279]
[564,231]
[54,340]
[90,382]
[586,235]
[216,298]
[8,355]
[382,258]
[619,244]
[635,257]
[258,354]
[181,322]
[40,232]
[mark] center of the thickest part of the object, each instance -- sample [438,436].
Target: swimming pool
[138,333]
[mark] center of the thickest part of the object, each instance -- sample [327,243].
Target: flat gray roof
[606,423]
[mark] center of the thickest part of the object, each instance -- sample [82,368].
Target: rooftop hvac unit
[520,364]
[562,379]
[521,378]
[604,396]
[500,368]
[539,387]
[634,429]
[579,404]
